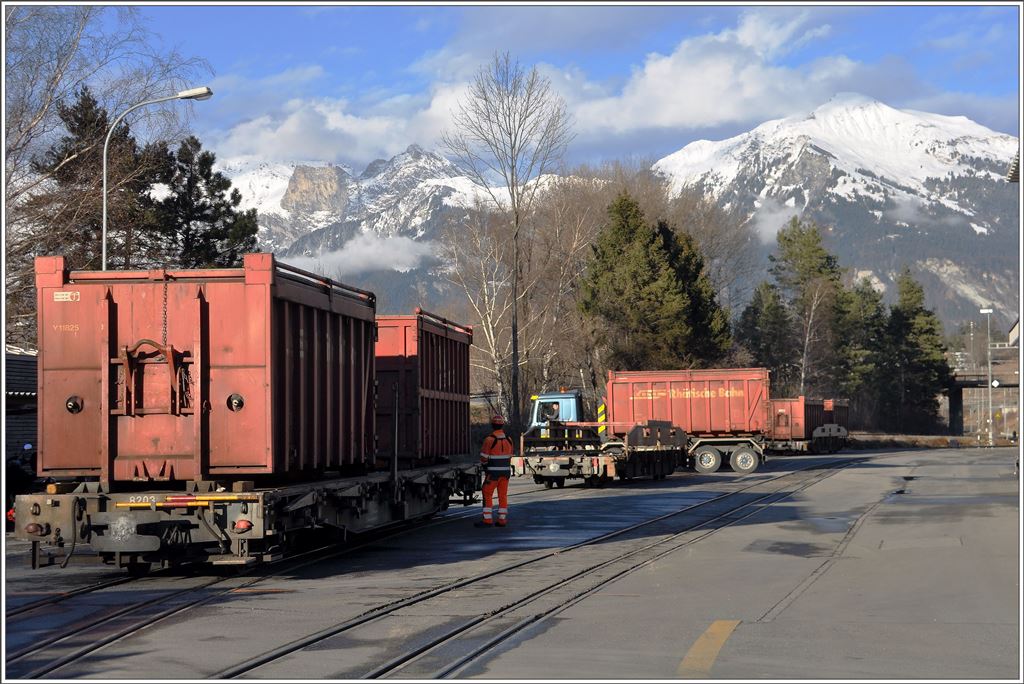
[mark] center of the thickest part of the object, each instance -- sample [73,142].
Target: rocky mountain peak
[373,168]
[317,188]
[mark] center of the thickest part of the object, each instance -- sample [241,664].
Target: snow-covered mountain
[892,186]
[309,208]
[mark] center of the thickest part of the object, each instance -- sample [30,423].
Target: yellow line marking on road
[701,657]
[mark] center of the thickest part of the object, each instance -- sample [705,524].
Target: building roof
[19,374]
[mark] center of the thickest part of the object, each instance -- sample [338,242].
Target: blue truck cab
[562,407]
[549,409]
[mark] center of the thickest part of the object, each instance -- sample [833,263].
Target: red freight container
[714,402]
[426,359]
[202,374]
[797,419]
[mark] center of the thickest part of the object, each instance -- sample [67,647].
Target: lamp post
[201,93]
[988,348]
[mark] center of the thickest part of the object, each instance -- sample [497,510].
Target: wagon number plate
[141,499]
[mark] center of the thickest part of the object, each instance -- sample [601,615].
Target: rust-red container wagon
[167,375]
[422,389]
[803,424]
[213,414]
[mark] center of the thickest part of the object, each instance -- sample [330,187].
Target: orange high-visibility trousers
[490,484]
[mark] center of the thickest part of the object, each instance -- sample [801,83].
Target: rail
[83,638]
[446,590]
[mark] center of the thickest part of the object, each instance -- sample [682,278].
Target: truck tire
[744,460]
[707,459]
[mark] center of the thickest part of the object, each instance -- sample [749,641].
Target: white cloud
[369,252]
[331,130]
[722,78]
[717,83]
[772,34]
[771,216]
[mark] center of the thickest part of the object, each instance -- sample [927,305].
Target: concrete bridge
[1005,372]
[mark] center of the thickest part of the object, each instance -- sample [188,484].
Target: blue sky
[349,83]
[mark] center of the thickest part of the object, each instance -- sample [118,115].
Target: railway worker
[496,461]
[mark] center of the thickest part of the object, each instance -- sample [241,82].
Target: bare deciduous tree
[511,128]
[476,252]
[51,53]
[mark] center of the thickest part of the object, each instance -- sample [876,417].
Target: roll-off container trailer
[696,419]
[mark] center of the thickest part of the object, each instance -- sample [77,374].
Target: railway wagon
[211,415]
[422,390]
[696,418]
[814,425]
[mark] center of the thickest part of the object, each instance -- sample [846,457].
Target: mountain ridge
[891,187]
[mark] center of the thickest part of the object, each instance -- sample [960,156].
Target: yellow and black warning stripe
[601,414]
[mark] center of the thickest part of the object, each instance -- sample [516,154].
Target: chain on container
[164,328]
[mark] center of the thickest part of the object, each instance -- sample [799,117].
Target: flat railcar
[214,414]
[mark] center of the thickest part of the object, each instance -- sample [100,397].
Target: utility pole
[988,348]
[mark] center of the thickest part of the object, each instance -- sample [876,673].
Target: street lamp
[202,93]
[988,348]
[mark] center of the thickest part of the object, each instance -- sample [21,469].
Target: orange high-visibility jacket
[496,454]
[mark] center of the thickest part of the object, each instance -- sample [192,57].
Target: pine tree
[647,289]
[70,212]
[765,329]
[200,218]
[801,258]
[809,278]
[861,338]
[914,361]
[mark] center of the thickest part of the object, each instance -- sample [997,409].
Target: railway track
[430,654]
[52,651]
[61,596]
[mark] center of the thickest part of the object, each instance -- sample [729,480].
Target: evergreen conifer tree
[809,278]
[861,339]
[71,208]
[647,289]
[914,361]
[765,329]
[200,217]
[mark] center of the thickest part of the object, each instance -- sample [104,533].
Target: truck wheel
[538,480]
[707,459]
[559,482]
[548,484]
[744,460]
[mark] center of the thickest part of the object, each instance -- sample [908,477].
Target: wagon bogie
[169,527]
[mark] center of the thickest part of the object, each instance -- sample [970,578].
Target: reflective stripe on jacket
[496,454]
